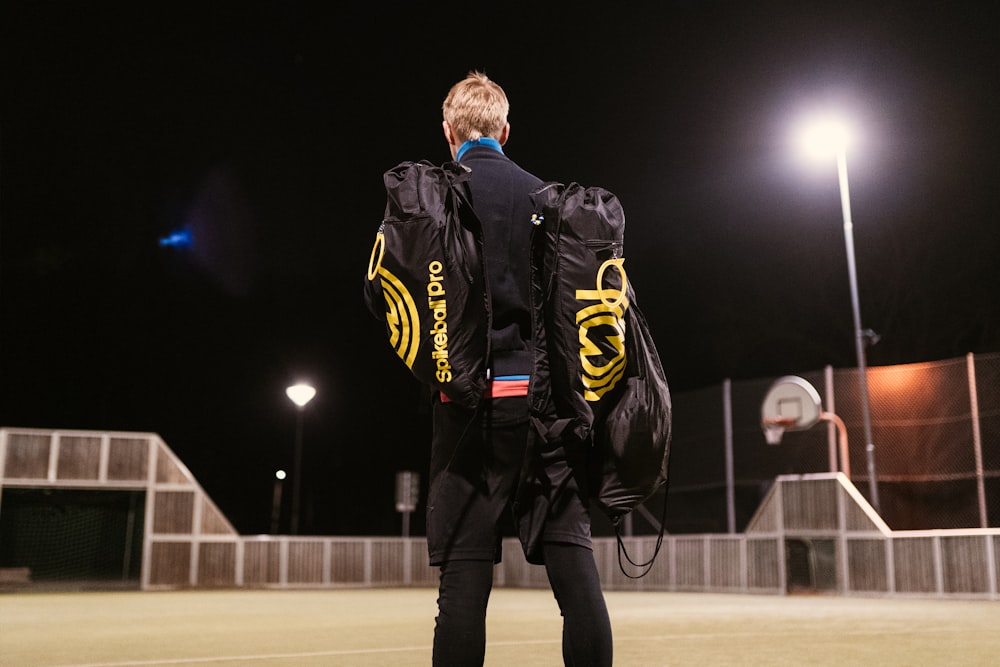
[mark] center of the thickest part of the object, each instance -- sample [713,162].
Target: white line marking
[312,654]
[405,649]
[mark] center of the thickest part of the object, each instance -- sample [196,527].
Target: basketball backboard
[791,404]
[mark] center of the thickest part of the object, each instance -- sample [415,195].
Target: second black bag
[604,373]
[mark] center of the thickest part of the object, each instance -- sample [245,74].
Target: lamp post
[825,137]
[279,478]
[300,394]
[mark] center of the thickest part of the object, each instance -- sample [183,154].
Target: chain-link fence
[935,435]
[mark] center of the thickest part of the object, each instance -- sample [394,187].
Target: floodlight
[823,137]
[301,393]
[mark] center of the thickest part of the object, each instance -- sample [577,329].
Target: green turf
[358,628]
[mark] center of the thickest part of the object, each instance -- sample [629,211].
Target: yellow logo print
[400,309]
[602,334]
[438,307]
[401,317]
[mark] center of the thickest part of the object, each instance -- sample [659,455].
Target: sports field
[394,627]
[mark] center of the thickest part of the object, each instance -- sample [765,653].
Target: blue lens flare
[179,239]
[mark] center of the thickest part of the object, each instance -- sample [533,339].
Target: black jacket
[500,195]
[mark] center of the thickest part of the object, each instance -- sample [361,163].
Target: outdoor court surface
[394,627]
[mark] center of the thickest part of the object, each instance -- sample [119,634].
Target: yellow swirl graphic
[400,316]
[605,322]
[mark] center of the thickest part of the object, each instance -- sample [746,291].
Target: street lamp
[300,394]
[279,478]
[821,138]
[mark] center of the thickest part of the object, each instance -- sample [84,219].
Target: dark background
[264,128]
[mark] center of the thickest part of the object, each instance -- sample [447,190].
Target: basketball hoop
[791,404]
[774,428]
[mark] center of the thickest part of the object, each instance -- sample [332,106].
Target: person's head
[475,107]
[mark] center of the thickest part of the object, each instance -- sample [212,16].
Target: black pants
[460,629]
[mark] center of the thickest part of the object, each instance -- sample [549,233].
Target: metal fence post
[727,420]
[977,439]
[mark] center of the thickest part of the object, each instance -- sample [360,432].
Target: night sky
[264,129]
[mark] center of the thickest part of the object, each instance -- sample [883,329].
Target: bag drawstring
[373,264]
[618,263]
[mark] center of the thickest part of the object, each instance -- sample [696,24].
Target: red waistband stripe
[500,389]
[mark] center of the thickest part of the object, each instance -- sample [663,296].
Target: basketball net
[774,428]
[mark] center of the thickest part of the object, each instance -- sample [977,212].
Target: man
[477,456]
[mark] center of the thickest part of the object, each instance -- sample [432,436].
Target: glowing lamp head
[824,137]
[301,394]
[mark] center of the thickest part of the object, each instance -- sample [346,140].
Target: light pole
[279,478]
[300,394]
[822,138]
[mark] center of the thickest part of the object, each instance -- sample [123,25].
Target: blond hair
[476,107]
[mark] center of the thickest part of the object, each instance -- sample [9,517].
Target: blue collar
[482,141]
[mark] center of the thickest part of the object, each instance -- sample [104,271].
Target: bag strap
[647,565]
